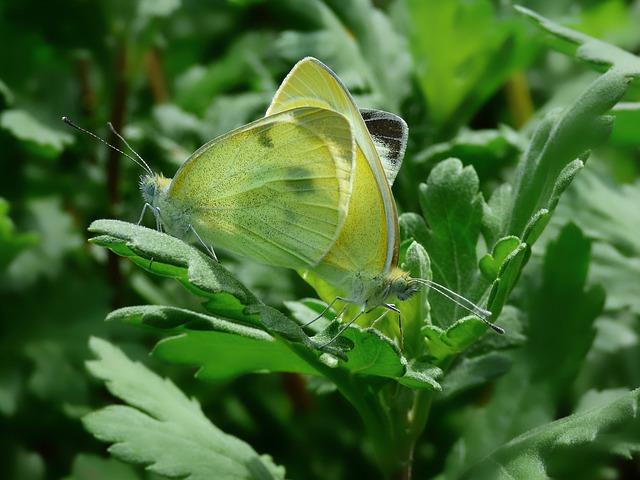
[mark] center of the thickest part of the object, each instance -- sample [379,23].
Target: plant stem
[519,99]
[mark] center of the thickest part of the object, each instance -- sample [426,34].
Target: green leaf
[22,125]
[11,242]
[452,207]
[365,351]
[58,237]
[560,144]
[170,257]
[219,348]
[546,452]
[157,8]
[605,211]
[489,151]
[474,371]
[561,312]
[475,51]
[626,129]
[415,310]
[589,49]
[455,339]
[359,43]
[222,349]
[163,429]
[563,309]
[491,263]
[91,467]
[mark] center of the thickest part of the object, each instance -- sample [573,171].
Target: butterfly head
[152,186]
[401,285]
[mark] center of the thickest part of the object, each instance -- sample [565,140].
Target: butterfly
[306,187]
[363,261]
[276,190]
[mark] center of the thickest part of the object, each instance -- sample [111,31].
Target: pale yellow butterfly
[363,261]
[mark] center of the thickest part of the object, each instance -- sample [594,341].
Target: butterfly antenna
[115,132]
[461,301]
[143,165]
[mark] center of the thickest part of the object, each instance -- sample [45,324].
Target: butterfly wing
[389,133]
[276,190]
[372,217]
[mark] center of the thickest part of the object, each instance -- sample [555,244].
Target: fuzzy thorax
[173,216]
[371,292]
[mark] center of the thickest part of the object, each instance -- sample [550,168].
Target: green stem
[364,400]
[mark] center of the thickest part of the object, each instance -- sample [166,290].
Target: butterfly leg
[341,331]
[208,248]
[327,308]
[144,210]
[392,308]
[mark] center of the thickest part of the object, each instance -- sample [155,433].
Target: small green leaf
[455,339]
[163,429]
[415,310]
[491,263]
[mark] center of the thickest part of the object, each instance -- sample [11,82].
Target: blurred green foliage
[475,80]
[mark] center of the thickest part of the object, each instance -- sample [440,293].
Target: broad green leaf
[452,207]
[163,429]
[223,349]
[170,257]
[25,127]
[562,310]
[219,348]
[92,467]
[552,450]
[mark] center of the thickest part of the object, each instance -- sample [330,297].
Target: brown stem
[294,386]
[519,99]
[87,95]
[118,109]
[154,71]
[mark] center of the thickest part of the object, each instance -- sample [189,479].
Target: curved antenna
[143,165]
[461,301]
[115,132]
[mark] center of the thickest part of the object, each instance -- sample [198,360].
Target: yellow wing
[276,190]
[369,239]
